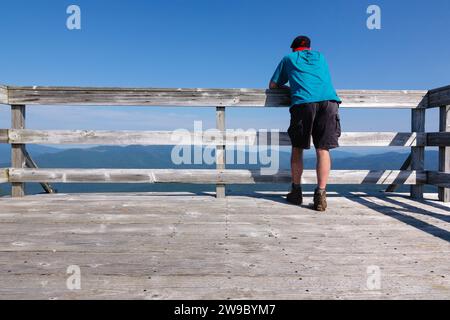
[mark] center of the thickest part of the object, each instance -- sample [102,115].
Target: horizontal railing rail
[249,137]
[412,172]
[440,179]
[75,96]
[212,176]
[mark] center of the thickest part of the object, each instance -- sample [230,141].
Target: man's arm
[279,78]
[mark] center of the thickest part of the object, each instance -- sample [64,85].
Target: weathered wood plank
[18,150]
[127,242]
[327,286]
[202,97]
[439,97]
[3,95]
[205,176]
[440,179]
[417,153]
[4,175]
[247,137]
[133,264]
[117,137]
[438,139]
[444,151]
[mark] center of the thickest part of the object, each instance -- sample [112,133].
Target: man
[314,112]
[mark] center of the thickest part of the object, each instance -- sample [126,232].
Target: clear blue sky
[218,43]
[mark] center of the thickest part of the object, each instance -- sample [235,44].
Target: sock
[320,189]
[296,186]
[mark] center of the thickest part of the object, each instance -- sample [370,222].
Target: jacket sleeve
[280,77]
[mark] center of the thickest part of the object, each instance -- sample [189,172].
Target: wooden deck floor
[183,246]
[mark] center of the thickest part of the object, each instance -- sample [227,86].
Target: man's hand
[273,85]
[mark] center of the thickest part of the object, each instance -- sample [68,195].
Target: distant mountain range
[160,157]
[35,150]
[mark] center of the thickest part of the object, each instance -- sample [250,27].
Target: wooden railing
[412,173]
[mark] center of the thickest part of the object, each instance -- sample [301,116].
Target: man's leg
[295,196]
[326,133]
[323,167]
[297,165]
[302,117]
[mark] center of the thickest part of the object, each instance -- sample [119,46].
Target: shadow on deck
[171,246]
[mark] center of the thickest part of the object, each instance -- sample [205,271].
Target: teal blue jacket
[308,75]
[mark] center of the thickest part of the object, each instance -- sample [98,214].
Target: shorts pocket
[338,125]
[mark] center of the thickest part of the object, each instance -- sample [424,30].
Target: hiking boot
[320,200]
[295,196]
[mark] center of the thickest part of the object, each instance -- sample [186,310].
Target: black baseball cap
[301,41]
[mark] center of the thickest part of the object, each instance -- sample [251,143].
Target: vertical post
[220,149]
[18,150]
[444,152]
[417,153]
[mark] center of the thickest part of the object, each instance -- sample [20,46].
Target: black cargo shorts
[320,120]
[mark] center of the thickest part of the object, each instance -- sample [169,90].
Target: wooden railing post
[417,153]
[18,150]
[444,152]
[220,149]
